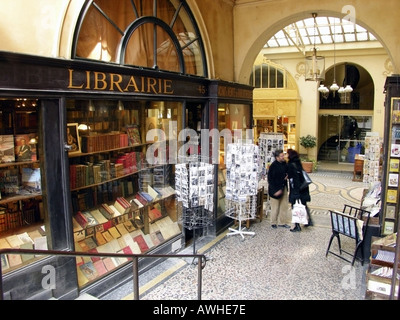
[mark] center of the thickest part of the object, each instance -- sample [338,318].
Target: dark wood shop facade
[47,99]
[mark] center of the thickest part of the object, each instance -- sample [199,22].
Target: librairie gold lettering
[102,81]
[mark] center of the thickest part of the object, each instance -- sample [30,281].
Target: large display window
[22,216]
[107,159]
[121,179]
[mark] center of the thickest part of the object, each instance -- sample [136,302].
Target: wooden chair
[347,223]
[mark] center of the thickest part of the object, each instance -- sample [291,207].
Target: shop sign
[55,75]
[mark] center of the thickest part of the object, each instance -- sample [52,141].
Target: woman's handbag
[307,181]
[299,213]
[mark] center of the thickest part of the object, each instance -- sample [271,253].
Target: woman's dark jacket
[296,178]
[276,178]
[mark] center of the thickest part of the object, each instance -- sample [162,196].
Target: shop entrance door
[195,119]
[342,137]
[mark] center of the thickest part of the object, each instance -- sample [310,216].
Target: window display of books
[121,203]
[121,227]
[34,239]
[21,208]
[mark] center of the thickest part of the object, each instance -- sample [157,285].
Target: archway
[309,102]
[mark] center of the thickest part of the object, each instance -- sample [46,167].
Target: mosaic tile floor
[275,264]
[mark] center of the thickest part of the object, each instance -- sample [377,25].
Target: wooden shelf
[116,178]
[19,197]
[17,163]
[82,154]
[137,210]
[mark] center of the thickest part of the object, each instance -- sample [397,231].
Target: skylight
[326,31]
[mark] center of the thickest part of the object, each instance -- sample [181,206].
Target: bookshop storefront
[99,173]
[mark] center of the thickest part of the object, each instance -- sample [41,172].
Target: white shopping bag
[299,213]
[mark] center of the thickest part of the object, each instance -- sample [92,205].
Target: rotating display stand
[194,184]
[242,175]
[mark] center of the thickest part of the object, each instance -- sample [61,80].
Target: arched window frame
[141,20]
[266,84]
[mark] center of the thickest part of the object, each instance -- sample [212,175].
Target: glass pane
[140,48]
[350,37]
[265,76]
[263,125]
[257,77]
[107,21]
[329,137]
[167,56]
[272,43]
[98,39]
[122,185]
[188,39]
[191,54]
[283,42]
[352,136]
[235,118]
[22,216]
[121,12]
[326,39]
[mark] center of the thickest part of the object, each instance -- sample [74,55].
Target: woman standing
[296,178]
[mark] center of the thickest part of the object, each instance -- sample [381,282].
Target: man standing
[278,191]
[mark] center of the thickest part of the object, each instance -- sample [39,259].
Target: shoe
[296,228]
[274,226]
[284,226]
[310,224]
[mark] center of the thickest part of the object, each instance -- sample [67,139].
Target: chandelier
[345,91]
[345,94]
[315,65]
[334,87]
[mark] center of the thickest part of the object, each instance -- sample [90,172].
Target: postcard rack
[194,183]
[242,162]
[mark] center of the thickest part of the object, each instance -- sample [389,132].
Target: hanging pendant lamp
[315,64]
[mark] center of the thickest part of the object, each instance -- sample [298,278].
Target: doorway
[342,137]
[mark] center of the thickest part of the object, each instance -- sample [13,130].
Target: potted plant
[308,142]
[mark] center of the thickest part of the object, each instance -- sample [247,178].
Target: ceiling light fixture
[334,87]
[315,65]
